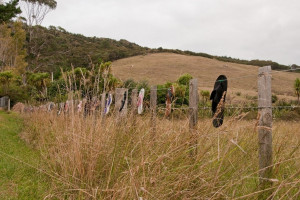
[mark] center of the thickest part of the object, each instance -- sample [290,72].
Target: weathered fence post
[153,103]
[193,112]
[102,107]
[52,77]
[134,99]
[121,105]
[2,102]
[8,105]
[71,103]
[265,128]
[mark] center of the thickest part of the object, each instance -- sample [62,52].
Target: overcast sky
[245,29]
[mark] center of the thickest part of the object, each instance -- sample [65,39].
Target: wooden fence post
[52,77]
[119,98]
[193,112]
[8,105]
[134,99]
[153,103]
[265,128]
[71,103]
[2,103]
[102,106]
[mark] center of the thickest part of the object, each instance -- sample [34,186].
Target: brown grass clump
[89,159]
[19,107]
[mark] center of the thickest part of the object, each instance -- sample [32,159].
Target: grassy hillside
[161,67]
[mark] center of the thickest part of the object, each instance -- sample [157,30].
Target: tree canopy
[9,10]
[51,3]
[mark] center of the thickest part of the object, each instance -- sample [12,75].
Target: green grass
[17,179]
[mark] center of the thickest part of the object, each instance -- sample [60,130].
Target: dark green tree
[40,82]
[5,79]
[9,10]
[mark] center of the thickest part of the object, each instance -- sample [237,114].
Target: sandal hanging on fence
[218,97]
[107,104]
[140,101]
[123,102]
[169,98]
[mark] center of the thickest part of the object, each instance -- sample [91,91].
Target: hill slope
[161,67]
[53,47]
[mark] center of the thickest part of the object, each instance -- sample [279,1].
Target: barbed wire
[235,107]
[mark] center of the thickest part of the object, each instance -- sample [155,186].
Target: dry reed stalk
[102,160]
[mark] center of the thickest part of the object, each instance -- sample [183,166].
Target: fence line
[234,78]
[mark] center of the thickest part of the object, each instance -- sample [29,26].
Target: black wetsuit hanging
[220,89]
[123,102]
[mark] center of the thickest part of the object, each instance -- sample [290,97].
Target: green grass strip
[17,179]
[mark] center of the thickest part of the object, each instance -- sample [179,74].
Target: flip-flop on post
[218,97]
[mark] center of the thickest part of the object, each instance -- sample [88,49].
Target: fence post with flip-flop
[121,103]
[265,128]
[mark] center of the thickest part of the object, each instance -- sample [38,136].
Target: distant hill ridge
[57,48]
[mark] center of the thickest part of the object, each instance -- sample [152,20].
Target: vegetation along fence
[264,125]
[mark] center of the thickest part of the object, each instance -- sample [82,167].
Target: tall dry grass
[89,159]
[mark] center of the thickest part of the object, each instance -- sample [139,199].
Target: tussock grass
[91,159]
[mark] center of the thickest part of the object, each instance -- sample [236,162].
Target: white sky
[245,29]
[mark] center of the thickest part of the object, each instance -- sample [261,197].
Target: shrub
[130,84]
[184,79]
[274,98]
[205,95]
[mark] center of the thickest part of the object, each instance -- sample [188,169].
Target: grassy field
[125,160]
[161,67]
[18,180]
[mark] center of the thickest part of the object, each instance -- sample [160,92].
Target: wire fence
[231,79]
[237,107]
